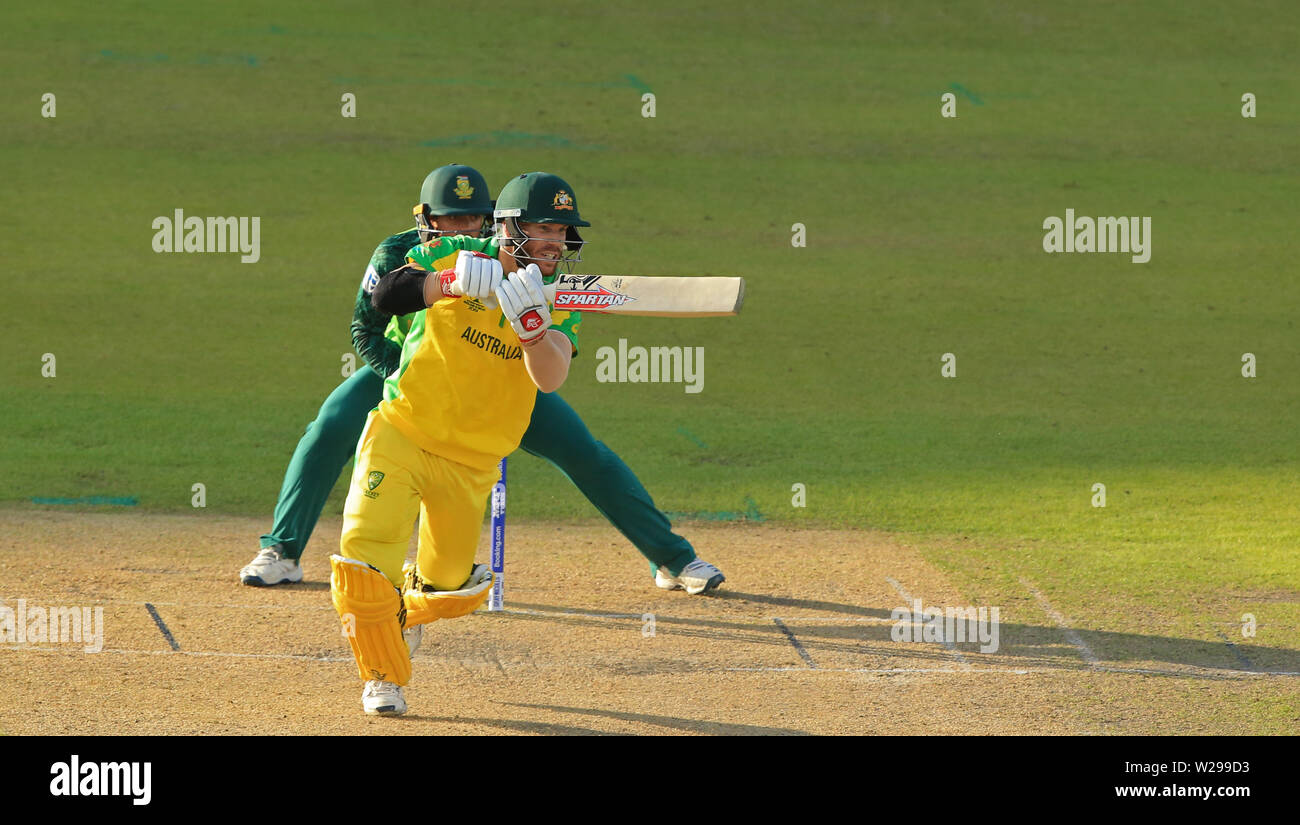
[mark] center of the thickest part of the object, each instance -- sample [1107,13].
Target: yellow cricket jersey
[461,390]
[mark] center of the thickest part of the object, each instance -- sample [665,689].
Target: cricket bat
[642,295]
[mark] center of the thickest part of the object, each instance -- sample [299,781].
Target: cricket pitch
[798,641]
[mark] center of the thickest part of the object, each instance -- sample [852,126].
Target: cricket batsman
[460,400]
[454,200]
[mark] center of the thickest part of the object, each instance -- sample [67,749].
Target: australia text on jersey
[491,344]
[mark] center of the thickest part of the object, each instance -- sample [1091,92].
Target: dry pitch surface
[797,642]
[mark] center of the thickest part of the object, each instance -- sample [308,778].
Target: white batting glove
[524,304]
[477,275]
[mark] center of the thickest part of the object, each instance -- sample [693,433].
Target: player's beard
[547,265]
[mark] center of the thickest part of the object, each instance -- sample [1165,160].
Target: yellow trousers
[392,483]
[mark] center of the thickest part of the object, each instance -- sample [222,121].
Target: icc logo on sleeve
[371,280]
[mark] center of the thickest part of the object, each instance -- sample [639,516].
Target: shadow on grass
[303,585]
[513,725]
[1021,645]
[673,723]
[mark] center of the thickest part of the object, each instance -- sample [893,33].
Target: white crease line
[579,614]
[187,604]
[832,620]
[1070,635]
[210,653]
[946,641]
[1197,673]
[1202,674]
[1016,671]
[218,654]
[517,611]
[727,619]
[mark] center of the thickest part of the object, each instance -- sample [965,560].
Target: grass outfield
[924,237]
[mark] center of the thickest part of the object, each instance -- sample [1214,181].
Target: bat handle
[447,281]
[450,289]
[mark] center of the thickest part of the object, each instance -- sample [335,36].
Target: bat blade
[640,295]
[646,295]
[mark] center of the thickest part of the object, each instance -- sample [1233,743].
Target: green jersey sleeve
[369,325]
[568,325]
[440,253]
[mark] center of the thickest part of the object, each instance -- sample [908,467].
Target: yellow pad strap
[371,611]
[423,606]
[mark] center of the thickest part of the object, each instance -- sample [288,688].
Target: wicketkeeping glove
[524,304]
[477,275]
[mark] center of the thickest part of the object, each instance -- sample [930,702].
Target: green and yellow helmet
[538,197]
[454,189]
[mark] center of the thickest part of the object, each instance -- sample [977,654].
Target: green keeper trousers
[555,433]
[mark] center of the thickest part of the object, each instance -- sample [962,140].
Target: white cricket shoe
[413,636]
[697,577]
[383,699]
[270,568]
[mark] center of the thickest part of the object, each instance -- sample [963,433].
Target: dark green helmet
[538,197]
[453,189]
[456,190]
